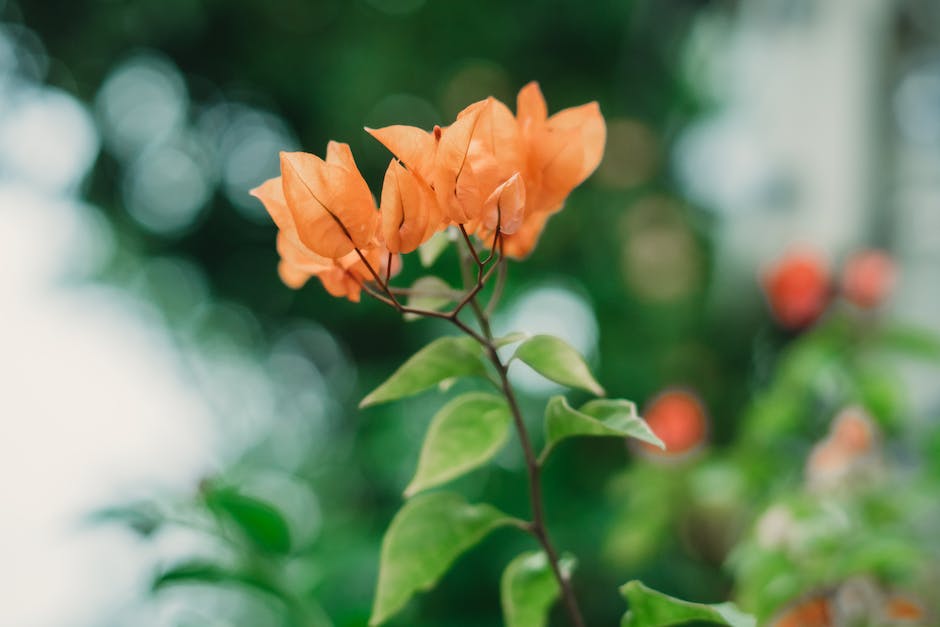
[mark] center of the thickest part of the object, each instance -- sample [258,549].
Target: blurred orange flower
[797,287]
[678,418]
[868,278]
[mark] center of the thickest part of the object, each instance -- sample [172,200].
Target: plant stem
[537,527]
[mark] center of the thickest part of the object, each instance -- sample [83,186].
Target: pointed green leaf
[510,338]
[649,608]
[463,435]
[260,523]
[528,589]
[602,417]
[423,540]
[442,359]
[429,251]
[431,293]
[556,360]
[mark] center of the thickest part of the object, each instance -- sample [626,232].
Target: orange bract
[678,419]
[330,203]
[797,288]
[492,172]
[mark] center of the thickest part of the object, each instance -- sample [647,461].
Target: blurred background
[179,438]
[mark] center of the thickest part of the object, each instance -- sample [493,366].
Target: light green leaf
[463,435]
[528,589]
[509,338]
[556,360]
[259,522]
[423,540]
[914,342]
[429,292]
[442,359]
[429,251]
[649,608]
[602,417]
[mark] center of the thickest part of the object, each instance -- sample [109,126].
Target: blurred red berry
[678,418]
[797,288]
[868,278]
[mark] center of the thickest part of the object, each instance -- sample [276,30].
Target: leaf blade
[444,358]
[558,361]
[463,435]
[260,523]
[424,538]
[528,589]
[601,417]
[649,608]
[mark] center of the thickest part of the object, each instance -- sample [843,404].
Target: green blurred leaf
[528,589]
[911,341]
[649,608]
[429,292]
[427,534]
[602,417]
[429,251]
[442,359]
[262,524]
[201,572]
[144,517]
[556,360]
[463,435]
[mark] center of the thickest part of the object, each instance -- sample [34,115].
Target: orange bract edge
[492,172]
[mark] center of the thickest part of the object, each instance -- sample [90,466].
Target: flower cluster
[496,175]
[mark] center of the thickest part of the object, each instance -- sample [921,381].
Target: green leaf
[260,523]
[423,540]
[429,251]
[914,342]
[510,338]
[463,435]
[649,608]
[430,293]
[442,359]
[201,572]
[528,589]
[556,360]
[602,417]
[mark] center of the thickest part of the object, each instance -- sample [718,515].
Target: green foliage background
[323,66]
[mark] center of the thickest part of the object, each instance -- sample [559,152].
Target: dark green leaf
[612,418]
[649,608]
[423,540]
[463,435]
[200,572]
[528,589]
[258,521]
[556,360]
[442,359]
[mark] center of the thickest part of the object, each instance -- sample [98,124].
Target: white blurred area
[103,400]
[93,404]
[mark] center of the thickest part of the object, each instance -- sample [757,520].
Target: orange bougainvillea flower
[849,454]
[341,277]
[868,278]
[329,201]
[440,159]
[410,211]
[797,287]
[678,418]
[561,151]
